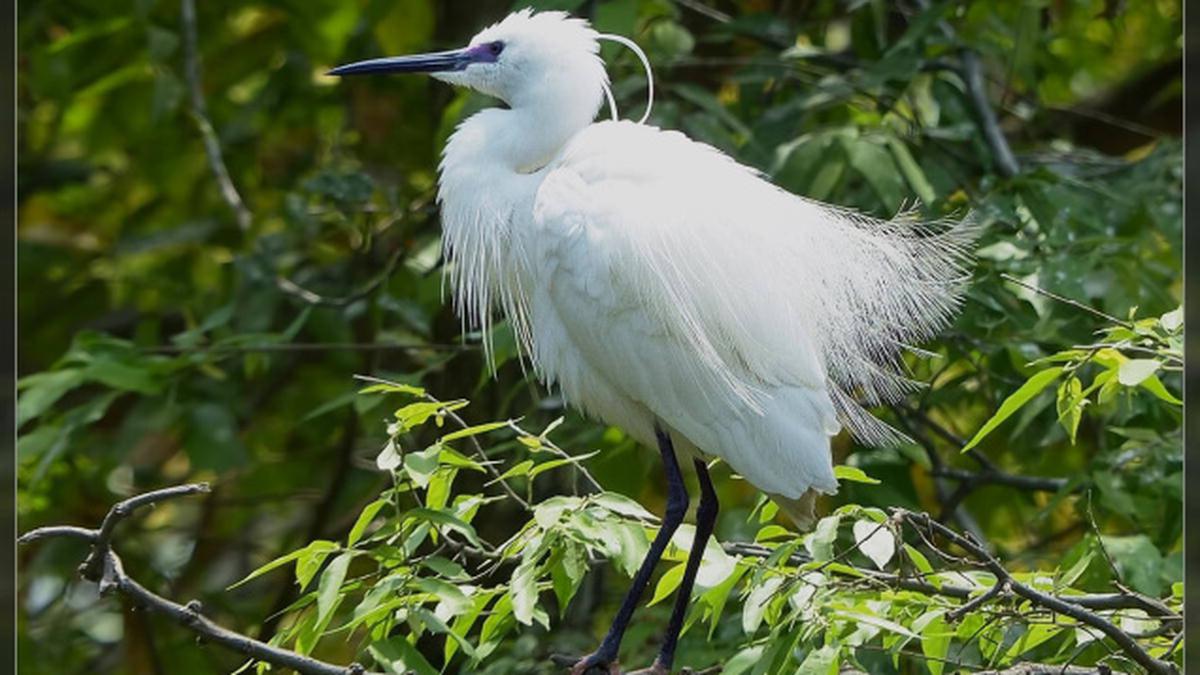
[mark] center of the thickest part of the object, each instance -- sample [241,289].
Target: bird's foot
[595,664]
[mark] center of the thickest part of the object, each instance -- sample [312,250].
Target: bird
[666,289]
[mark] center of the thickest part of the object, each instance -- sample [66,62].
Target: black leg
[706,518]
[677,503]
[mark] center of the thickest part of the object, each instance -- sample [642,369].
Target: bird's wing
[769,292]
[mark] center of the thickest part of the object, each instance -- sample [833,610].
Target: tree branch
[997,477]
[1061,605]
[104,566]
[93,566]
[212,146]
[970,69]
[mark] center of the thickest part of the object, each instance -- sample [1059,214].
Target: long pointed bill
[437,62]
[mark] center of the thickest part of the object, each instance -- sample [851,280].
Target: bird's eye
[496,47]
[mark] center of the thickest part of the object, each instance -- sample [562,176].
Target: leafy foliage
[162,343]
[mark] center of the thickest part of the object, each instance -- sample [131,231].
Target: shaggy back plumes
[756,279]
[889,285]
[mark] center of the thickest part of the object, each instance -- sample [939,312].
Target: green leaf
[622,505]
[756,603]
[1172,321]
[319,545]
[1155,386]
[1134,371]
[421,465]
[875,540]
[1032,387]
[1138,560]
[878,622]
[912,171]
[415,414]
[392,388]
[555,463]
[364,519]
[473,431]
[667,584]
[935,642]
[520,469]
[331,584]
[40,391]
[820,542]
[823,661]
[1068,578]
[398,656]
[743,661]
[1036,635]
[440,488]
[123,374]
[464,622]
[1070,403]
[922,564]
[717,596]
[523,589]
[445,519]
[772,532]
[567,574]
[853,474]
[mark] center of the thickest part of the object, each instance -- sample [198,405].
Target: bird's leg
[605,657]
[706,518]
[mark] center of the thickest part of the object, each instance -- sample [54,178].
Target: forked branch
[104,567]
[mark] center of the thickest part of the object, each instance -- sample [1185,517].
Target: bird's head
[521,60]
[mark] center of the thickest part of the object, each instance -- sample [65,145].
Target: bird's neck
[531,134]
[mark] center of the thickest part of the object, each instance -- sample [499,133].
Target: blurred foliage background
[167,337]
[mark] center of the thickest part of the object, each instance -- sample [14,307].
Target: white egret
[668,290]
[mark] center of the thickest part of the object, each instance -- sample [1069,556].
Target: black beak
[436,62]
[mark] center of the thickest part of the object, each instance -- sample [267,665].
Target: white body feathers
[653,279]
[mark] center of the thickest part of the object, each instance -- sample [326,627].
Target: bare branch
[970,68]
[57,531]
[997,477]
[972,73]
[110,575]
[1090,601]
[92,567]
[309,347]
[1001,588]
[1060,605]
[313,298]
[212,146]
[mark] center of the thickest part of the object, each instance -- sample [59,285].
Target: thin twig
[1000,588]
[212,146]
[457,419]
[1074,303]
[309,347]
[483,458]
[112,577]
[701,8]
[313,298]
[555,449]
